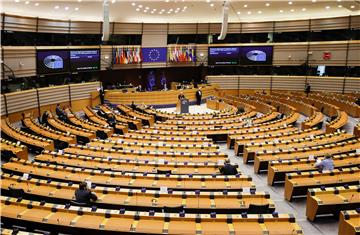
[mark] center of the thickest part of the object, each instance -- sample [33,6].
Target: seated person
[325,165]
[228,169]
[133,106]
[111,120]
[181,96]
[44,118]
[84,195]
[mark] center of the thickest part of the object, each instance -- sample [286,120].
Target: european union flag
[154,54]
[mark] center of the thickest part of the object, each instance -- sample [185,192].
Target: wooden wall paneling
[184,28]
[293,83]
[19,23]
[23,100]
[83,90]
[326,84]
[355,22]
[224,82]
[291,26]
[22,60]
[203,28]
[354,53]
[257,27]
[127,28]
[352,84]
[215,28]
[329,23]
[337,50]
[3,106]
[234,28]
[154,35]
[289,53]
[53,95]
[85,27]
[53,26]
[255,82]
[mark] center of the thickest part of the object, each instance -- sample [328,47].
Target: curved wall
[344,53]
[39,100]
[243,83]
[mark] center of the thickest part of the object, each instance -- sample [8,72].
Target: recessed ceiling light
[17,0]
[304,9]
[79,0]
[292,10]
[249,12]
[212,4]
[168,12]
[245,5]
[76,8]
[281,11]
[171,10]
[66,8]
[147,8]
[113,1]
[178,9]
[36,4]
[339,0]
[259,12]
[162,9]
[137,9]
[27,2]
[339,6]
[160,12]
[166,0]
[133,4]
[267,4]
[327,7]
[238,12]
[56,7]
[154,9]
[185,7]
[352,6]
[145,11]
[140,6]
[313,0]
[207,0]
[290,3]
[152,12]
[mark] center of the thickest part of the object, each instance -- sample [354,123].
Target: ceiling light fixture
[292,10]
[212,4]
[352,6]
[56,7]
[339,6]
[290,3]
[249,12]
[27,2]
[76,8]
[36,4]
[66,8]
[327,7]
[304,9]
[281,11]
[259,12]
[267,4]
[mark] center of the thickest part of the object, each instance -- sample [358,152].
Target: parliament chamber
[180,117]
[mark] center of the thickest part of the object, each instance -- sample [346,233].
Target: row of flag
[134,55]
[181,54]
[127,55]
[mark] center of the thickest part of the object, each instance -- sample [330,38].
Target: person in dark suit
[228,169]
[181,96]
[307,89]
[198,96]
[102,95]
[84,195]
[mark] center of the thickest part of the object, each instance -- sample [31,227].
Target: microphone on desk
[352,195]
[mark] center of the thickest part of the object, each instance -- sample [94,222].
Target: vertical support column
[38,102]
[6,107]
[69,95]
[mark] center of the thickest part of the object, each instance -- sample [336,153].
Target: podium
[182,106]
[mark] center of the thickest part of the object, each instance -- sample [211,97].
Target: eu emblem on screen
[54,62]
[154,54]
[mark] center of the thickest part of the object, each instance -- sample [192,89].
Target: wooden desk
[18,150]
[278,169]
[331,200]
[134,137]
[120,165]
[114,197]
[349,223]
[145,155]
[156,97]
[112,221]
[262,159]
[131,180]
[298,184]
[155,146]
[273,137]
[250,150]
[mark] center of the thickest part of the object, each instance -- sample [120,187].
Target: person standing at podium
[181,96]
[198,96]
